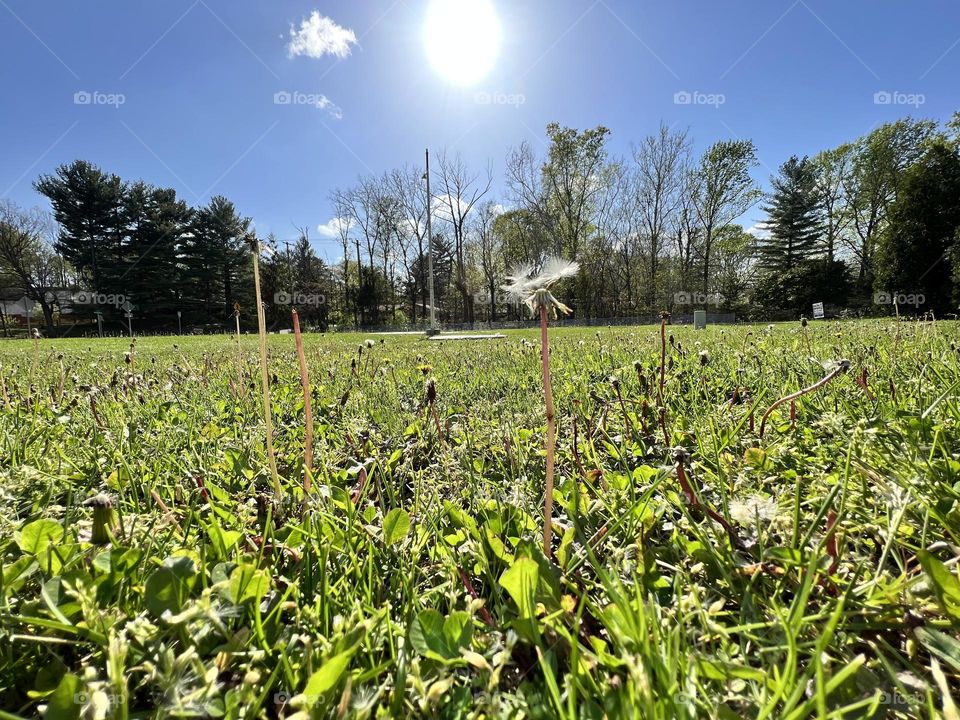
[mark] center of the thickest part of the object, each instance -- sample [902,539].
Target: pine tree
[155,225]
[88,206]
[795,213]
[216,260]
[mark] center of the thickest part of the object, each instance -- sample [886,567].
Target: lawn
[698,569]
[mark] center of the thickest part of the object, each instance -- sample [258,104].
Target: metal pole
[290,273]
[433,316]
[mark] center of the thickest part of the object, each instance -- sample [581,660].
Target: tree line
[873,222]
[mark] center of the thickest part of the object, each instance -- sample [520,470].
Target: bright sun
[462,39]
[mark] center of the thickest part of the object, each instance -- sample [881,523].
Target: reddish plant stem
[832,541]
[862,382]
[484,613]
[695,502]
[663,359]
[360,486]
[842,368]
[663,427]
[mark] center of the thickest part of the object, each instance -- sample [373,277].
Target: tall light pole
[290,273]
[426,176]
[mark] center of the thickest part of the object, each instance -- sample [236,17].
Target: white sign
[818,311]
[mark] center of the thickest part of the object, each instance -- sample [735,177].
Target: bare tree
[462,190]
[27,257]
[488,253]
[410,190]
[661,164]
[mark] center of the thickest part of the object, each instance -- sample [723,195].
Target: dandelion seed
[531,285]
[747,512]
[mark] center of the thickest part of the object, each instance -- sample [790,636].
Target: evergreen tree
[217,260]
[155,225]
[795,215]
[87,204]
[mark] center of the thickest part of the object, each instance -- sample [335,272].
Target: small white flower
[746,512]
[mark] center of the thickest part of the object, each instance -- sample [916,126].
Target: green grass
[412,582]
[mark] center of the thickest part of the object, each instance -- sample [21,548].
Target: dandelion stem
[307,408]
[264,373]
[663,358]
[839,370]
[551,433]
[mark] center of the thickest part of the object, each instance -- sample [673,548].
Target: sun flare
[462,38]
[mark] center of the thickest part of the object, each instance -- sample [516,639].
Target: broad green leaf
[248,583]
[426,634]
[169,585]
[223,540]
[37,536]
[945,584]
[62,703]
[327,677]
[163,591]
[520,581]
[458,631]
[396,525]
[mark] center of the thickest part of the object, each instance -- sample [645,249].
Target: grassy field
[698,569]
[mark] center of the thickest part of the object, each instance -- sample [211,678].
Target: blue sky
[181,93]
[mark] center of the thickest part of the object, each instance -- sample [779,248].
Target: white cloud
[325,103]
[759,230]
[331,229]
[318,36]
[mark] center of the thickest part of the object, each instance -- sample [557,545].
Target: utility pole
[426,175]
[290,273]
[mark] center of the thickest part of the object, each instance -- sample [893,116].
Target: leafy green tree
[833,168]
[914,254]
[722,190]
[879,162]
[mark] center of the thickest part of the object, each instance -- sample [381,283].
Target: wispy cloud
[325,103]
[318,35]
